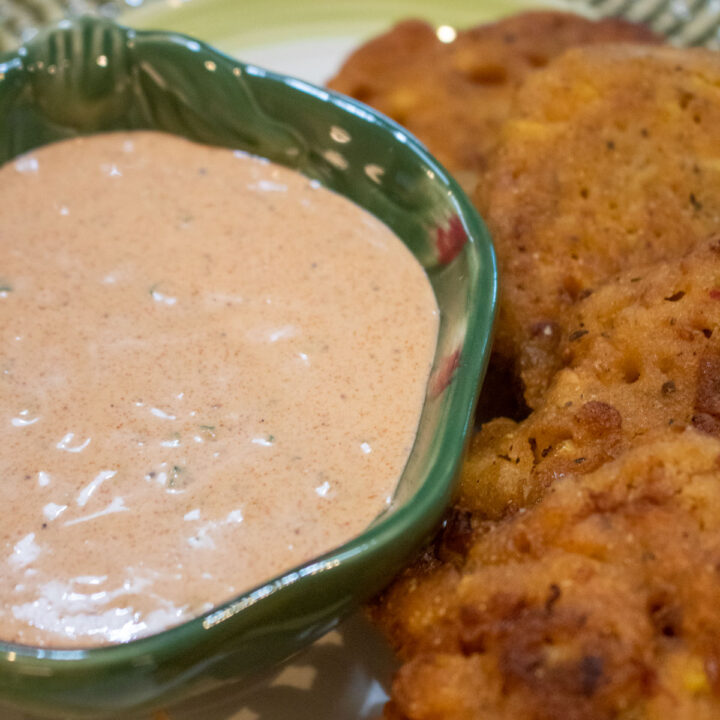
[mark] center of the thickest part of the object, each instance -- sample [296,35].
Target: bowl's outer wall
[93,76]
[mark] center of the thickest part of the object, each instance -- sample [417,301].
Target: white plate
[310,38]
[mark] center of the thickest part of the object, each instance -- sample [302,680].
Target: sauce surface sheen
[211,370]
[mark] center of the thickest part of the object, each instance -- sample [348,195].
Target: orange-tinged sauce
[211,370]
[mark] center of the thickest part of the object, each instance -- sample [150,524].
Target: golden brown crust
[598,603]
[454,96]
[583,492]
[578,576]
[642,352]
[611,159]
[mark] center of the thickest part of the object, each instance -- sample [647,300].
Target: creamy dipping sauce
[211,370]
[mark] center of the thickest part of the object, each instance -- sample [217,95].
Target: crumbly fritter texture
[611,159]
[599,603]
[454,96]
[546,593]
[641,353]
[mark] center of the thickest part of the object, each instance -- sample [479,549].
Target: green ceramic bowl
[91,76]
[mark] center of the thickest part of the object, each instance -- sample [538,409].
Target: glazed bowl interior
[91,76]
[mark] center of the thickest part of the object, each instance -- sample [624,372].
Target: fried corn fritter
[642,359]
[599,603]
[641,353]
[610,159]
[454,96]
[579,573]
